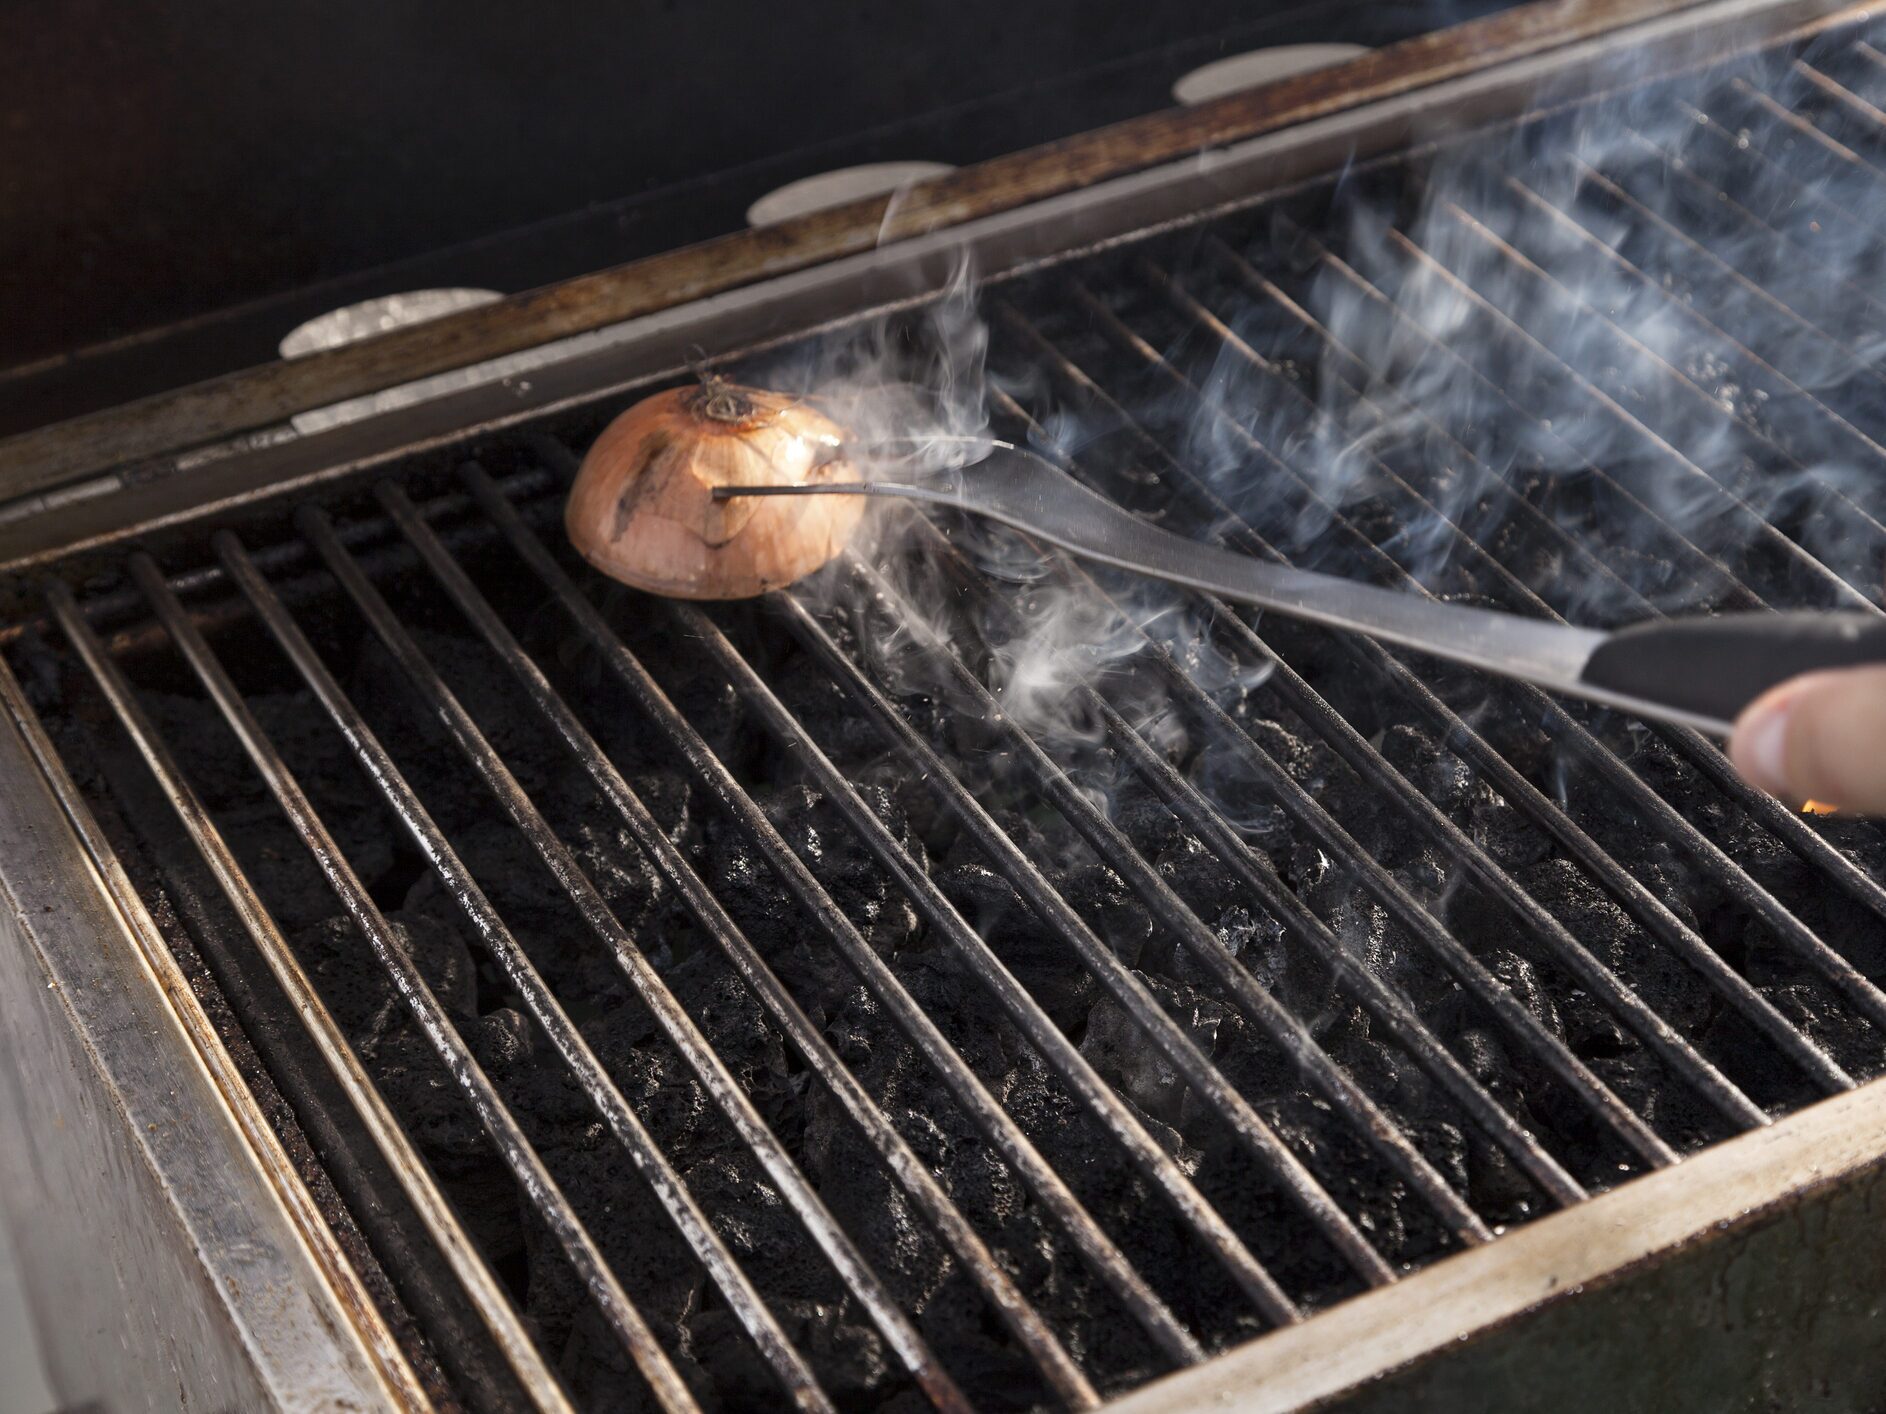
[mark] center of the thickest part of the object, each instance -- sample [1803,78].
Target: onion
[642,510]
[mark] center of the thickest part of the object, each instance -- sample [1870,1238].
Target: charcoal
[664,793]
[1521,979]
[928,818]
[1438,774]
[207,751]
[1110,909]
[1143,817]
[1257,942]
[528,746]
[361,992]
[539,913]
[406,1068]
[1042,963]
[816,699]
[845,866]
[1198,876]
[1345,915]
[1594,918]
[797,949]
[455,1147]
[698,692]
[1504,833]
[1120,1050]
[269,850]
[1308,763]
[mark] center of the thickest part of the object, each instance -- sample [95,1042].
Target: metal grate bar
[1731,876]
[1361,756]
[1736,147]
[1745,289]
[1758,527]
[1041,897]
[1257,874]
[1866,51]
[1717,201]
[1047,1352]
[1098,1249]
[1303,1187]
[674,1021]
[435,1213]
[1700,752]
[1649,360]
[1518,791]
[1262,287]
[1839,92]
[429,1013]
[1849,160]
[1599,979]
[1642,905]
[413,1377]
[1188,305]
[1684,311]
[503,1127]
[1727,589]
[1382,886]
[1313,1065]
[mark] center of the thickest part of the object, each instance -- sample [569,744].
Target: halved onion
[642,510]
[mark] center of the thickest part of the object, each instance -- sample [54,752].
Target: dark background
[246,165]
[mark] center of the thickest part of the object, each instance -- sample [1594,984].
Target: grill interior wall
[809,1024]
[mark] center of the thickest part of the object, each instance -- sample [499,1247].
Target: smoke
[1615,360]
[917,397]
[1651,322]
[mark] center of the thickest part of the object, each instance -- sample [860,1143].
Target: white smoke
[1637,315]
[1610,330]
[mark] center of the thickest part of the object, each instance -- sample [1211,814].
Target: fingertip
[1822,736]
[1759,747]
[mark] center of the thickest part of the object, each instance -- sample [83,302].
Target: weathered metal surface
[1745,1277]
[172,1256]
[1785,1312]
[270,393]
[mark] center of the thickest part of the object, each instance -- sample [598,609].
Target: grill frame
[1758,1179]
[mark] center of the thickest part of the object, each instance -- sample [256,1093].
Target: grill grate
[839,1026]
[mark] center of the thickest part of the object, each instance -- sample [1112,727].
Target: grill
[974,980]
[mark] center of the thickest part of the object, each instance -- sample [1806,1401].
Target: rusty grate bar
[441,1224]
[1734,594]
[1145,1010]
[1412,1035]
[674,1020]
[1650,1027]
[1286,1031]
[1694,951]
[1863,994]
[1034,1022]
[624,1318]
[1644,906]
[627,1321]
[1049,1355]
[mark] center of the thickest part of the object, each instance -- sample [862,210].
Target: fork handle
[1715,667]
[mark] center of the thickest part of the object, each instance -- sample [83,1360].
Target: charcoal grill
[439,979]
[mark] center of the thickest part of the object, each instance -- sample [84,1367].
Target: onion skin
[642,510]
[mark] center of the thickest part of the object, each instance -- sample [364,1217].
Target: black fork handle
[1715,667]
